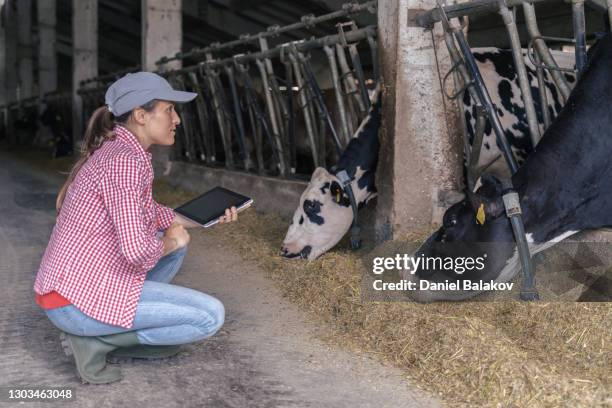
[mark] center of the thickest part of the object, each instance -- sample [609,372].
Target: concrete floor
[267,354]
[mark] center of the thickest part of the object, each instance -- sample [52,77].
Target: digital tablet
[207,208]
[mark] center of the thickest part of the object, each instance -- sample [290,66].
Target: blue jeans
[166,314]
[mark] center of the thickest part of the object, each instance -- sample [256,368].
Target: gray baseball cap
[134,90]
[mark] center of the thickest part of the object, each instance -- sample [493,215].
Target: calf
[563,188]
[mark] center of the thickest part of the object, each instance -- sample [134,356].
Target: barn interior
[284,87]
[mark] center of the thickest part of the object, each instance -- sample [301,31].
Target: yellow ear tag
[480,215]
[338,196]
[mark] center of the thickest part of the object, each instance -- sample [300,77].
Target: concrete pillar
[47,57]
[2,74]
[420,158]
[24,51]
[162,36]
[10,24]
[3,39]
[84,57]
[162,32]
[10,15]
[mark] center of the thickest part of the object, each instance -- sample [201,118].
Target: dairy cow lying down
[564,187]
[310,236]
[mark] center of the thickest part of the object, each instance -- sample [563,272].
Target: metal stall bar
[207,154]
[485,98]
[302,46]
[473,172]
[579,34]
[279,105]
[208,108]
[290,120]
[229,70]
[473,153]
[230,123]
[272,115]
[197,136]
[316,113]
[220,115]
[316,92]
[519,63]
[349,83]
[374,52]
[476,7]
[192,141]
[259,116]
[543,95]
[110,77]
[510,197]
[331,58]
[305,23]
[257,130]
[352,47]
[543,51]
[304,105]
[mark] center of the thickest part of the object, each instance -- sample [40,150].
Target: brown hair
[99,129]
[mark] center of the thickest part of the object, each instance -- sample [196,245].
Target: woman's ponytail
[99,129]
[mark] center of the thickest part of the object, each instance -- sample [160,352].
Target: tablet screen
[211,205]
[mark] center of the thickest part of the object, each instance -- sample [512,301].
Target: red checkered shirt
[105,238]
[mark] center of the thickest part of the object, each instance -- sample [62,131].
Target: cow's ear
[490,186]
[320,173]
[485,208]
[473,198]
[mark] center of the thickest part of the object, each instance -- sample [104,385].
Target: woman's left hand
[230,215]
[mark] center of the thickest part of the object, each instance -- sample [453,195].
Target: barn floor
[269,354]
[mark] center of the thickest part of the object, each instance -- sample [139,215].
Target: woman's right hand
[178,233]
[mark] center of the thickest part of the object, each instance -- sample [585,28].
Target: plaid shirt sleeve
[163,215]
[123,188]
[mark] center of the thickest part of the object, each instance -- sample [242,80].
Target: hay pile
[470,354]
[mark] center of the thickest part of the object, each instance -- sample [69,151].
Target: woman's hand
[230,215]
[178,233]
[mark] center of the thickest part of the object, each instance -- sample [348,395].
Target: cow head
[322,218]
[476,227]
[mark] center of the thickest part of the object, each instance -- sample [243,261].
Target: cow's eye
[453,221]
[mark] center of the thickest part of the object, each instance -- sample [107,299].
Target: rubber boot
[90,358]
[142,351]
[90,354]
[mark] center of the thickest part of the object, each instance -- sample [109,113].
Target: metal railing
[273,119]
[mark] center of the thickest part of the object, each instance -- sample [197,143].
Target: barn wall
[420,158]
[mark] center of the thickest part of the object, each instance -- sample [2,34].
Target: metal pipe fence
[281,111]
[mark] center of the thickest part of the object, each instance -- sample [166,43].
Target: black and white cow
[309,239]
[499,75]
[564,187]
[325,212]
